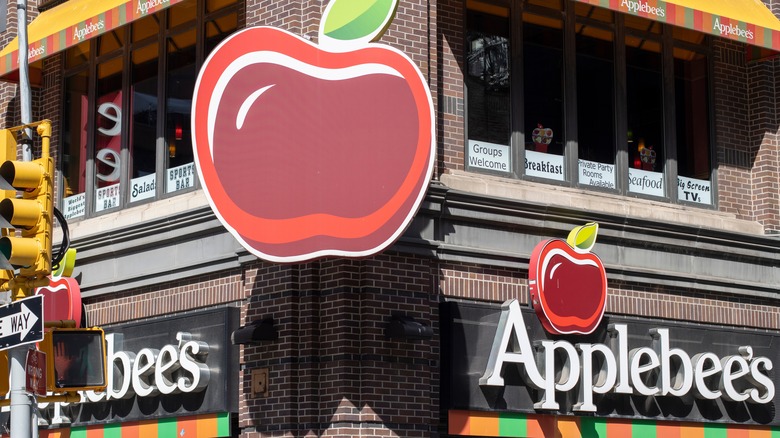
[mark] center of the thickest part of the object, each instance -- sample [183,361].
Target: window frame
[162,35]
[571,147]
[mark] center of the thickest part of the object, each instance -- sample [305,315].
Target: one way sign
[21,322]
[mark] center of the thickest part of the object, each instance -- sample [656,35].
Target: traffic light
[7,152]
[75,359]
[31,215]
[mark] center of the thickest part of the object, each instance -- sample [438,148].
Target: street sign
[21,322]
[35,372]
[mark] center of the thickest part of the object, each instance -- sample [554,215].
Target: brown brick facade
[332,372]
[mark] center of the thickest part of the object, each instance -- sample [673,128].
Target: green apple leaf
[356,20]
[583,237]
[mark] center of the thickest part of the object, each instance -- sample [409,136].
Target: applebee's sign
[741,377]
[568,293]
[308,150]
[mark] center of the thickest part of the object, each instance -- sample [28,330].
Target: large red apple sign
[307,151]
[568,283]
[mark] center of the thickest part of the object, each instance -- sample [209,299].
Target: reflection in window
[487,80]
[178,101]
[74,145]
[617,97]
[139,121]
[143,139]
[693,127]
[543,83]
[645,109]
[108,135]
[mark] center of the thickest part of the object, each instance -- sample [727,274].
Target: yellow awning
[748,21]
[75,21]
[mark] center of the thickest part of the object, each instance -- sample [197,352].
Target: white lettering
[650,371]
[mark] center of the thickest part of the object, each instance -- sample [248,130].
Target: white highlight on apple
[738,378]
[268,57]
[248,102]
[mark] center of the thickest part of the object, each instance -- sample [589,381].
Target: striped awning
[748,21]
[73,22]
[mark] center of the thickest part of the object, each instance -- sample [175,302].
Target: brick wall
[451,117]
[165,299]
[485,283]
[332,371]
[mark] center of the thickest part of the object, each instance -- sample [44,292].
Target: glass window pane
[645,121]
[693,128]
[543,92]
[146,27]
[487,80]
[108,135]
[74,145]
[642,24]
[543,83]
[596,109]
[144,124]
[180,82]
[687,35]
[182,13]
[111,41]
[219,29]
[552,4]
[593,13]
[215,5]
[77,55]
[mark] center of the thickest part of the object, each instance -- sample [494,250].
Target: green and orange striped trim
[698,20]
[508,424]
[113,18]
[196,426]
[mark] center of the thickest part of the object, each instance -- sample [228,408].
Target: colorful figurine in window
[646,156]
[542,137]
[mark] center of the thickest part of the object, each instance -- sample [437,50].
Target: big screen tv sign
[308,150]
[562,354]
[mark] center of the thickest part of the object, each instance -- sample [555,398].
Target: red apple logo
[309,150]
[568,283]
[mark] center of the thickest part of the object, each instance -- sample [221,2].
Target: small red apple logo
[309,150]
[568,283]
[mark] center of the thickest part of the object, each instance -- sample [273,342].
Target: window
[608,101]
[126,107]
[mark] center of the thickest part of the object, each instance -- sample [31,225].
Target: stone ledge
[597,202]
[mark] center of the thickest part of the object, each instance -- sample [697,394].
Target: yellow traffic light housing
[75,359]
[8,148]
[27,221]
[4,374]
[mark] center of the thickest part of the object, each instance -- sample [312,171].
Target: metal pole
[25,93]
[21,404]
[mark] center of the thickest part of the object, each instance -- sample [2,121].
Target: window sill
[597,202]
[127,217]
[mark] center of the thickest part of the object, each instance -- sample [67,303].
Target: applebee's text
[489,156]
[597,174]
[732,29]
[657,370]
[638,6]
[143,7]
[36,51]
[88,29]
[178,368]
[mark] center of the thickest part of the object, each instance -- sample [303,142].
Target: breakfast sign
[562,355]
